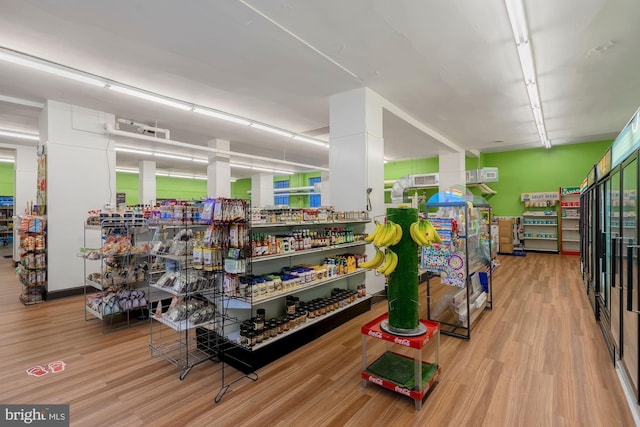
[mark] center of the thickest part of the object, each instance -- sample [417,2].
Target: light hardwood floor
[537,359]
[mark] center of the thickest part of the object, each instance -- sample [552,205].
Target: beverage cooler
[610,249]
[589,238]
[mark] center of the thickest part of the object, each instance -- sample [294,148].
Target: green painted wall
[166,187]
[6,179]
[128,183]
[239,189]
[538,170]
[519,171]
[180,188]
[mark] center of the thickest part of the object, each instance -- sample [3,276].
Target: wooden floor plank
[537,359]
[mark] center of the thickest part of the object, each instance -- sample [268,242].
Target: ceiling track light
[29,61]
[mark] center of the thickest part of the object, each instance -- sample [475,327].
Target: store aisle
[537,359]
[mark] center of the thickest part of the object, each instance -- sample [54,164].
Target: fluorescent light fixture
[48,67]
[200,177]
[222,116]
[7,160]
[272,130]
[534,96]
[180,175]
[173,156]
[133,151]
[262,169]
[21,135]
[197,160]
[386,161]
[515,9]
[258,168]
[311,141]
[123,170]
[233,179]
[236,165]
[162,173]
[518,20]
[526,62]
[148,96]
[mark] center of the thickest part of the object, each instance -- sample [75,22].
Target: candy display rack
[32,268]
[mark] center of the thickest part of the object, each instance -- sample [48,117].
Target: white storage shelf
[540,231]
[266,263]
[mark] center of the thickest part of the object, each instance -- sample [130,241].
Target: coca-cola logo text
[403,390]
[402,341]
[375,380]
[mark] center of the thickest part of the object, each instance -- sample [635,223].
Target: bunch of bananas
[390,262]
[388,234]
[374,262]
[423,233]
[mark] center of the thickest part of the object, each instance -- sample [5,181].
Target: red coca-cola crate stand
[418,344]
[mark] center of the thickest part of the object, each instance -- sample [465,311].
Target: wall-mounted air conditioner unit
[425,180]
[472,176]
[488,175]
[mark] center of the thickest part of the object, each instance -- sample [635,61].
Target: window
[284,199]
[314,199]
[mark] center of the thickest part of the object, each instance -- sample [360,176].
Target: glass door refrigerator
[611,311]
[630,303]
[606,231]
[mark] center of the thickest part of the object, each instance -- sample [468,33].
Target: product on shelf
[259,329]
[302,239]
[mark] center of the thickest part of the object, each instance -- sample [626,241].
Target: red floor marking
[57,366]
[37,371]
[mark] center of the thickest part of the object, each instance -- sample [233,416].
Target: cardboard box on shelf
[506,248]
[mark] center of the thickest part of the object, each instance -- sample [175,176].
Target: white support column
[147,182]
[325,189]
[261,190]
[25,185]
[81,176]
[452,170]
[219,170]
[356,158]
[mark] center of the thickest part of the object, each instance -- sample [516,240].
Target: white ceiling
[452,66]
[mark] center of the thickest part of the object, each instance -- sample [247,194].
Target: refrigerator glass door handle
[630,284]
[615,241]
